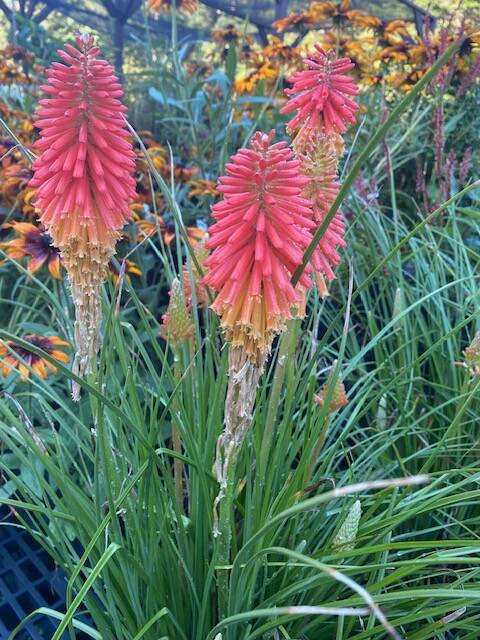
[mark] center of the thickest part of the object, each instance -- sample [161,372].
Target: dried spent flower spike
[263,225]
[319,94]
[84,179]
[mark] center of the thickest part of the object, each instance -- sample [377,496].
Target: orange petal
[25,227]
[54,267]
[24,372]
[58,341]
[34,264]
[61,356]
[51,366]
[39,367]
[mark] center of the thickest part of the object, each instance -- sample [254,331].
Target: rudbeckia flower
[263,226]
[151,224]
[319,95]
[131,269]
[202,187]
[34,244]
[341,13]
[10,361]
[165,5]
[15,180]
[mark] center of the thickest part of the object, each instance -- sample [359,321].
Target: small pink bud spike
[320,93]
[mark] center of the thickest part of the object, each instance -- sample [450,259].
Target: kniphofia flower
[201,296]
[320,93]
[318,158]
[34,244]
[472,356]
[177,324]
[84,178]
[263,225]
[22,356]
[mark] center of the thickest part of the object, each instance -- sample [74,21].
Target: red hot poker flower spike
[318,156]
[263,226]
[319,94]
[84,177]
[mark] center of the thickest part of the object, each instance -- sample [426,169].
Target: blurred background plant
[372,383]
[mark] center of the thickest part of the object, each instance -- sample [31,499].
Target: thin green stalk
[285,351]
[224,540]
[176,440]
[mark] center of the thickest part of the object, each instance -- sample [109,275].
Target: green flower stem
[176,440]
[286,351]
[225,539]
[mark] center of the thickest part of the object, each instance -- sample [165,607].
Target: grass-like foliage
[360,522]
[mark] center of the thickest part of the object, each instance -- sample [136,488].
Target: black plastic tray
[29,579]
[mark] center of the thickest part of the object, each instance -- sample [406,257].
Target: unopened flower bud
[177,324]
[346,535]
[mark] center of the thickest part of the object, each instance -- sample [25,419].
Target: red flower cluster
[319,94]
[84,179]
[263,226]
[84,175]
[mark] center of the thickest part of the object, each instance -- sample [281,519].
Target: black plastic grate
[29,579]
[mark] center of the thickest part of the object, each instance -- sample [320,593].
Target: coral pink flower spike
[83,179]
[84,173]
[319,94]
[263,226]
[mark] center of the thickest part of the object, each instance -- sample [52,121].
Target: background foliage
[94,482]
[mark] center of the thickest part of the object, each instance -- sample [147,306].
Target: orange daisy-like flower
[341,13]
[131,269]
[22,358]
[151,224]
[263,227]
[84,178]
[34,244]
[201,187]
[15,181]
[165,5]
[304,19]
[319,94]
